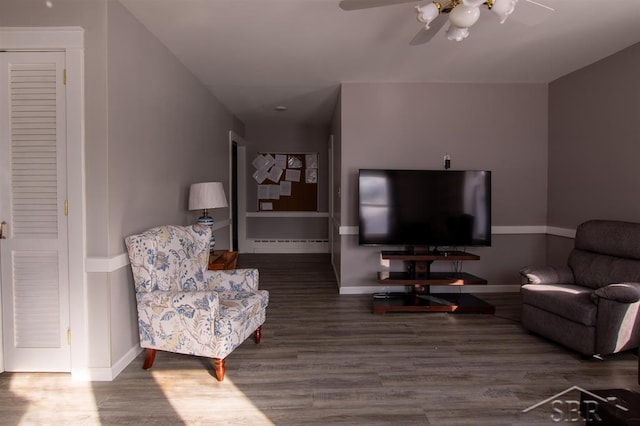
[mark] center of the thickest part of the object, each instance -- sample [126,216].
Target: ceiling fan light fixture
[502,8]
[428,13]
[463,16]
[474,3]
[456,33]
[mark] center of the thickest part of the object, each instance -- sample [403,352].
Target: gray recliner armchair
[591,305]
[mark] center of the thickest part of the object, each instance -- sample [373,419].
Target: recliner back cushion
[610,237]
[598,270]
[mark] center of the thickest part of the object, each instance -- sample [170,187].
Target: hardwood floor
[326,359]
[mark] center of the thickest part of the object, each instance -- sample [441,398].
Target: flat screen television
[427,208]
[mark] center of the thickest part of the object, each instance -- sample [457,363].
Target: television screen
[425,207]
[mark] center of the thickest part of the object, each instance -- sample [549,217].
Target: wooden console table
[223,259]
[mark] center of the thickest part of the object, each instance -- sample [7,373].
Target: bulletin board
[286,181]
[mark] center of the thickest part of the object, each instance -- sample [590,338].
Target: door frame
[241,196]
[70,40]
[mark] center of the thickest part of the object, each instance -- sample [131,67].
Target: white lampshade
[207,195]
[464,16]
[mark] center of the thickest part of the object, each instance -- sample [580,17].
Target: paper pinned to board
[292,175]
[260,162]
[285,188]
[294,162]
[263,192]
[260,175]
[266,206]
[281,161]
[311,161]
[311,175]
[275,173]
[274,192]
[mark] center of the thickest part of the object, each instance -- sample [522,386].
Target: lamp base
[208,221]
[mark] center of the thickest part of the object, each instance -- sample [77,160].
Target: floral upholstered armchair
[185,308]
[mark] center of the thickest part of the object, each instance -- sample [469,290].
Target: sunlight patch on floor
[186,395]
[41,393]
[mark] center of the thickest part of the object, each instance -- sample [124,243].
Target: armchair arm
[619,292]
[546,275]
[178,321]
[232,280]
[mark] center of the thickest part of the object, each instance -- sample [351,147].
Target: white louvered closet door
[33,252]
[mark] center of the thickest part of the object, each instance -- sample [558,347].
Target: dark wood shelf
[433,278]
[409,302]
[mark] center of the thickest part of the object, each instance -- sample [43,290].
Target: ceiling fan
[463,14]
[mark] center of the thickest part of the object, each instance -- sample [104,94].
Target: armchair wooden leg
[219,365]
[150,356]
[257,335]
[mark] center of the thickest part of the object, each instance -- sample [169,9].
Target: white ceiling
[256,54]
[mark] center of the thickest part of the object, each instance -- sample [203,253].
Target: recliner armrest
[619,292]
[546,275]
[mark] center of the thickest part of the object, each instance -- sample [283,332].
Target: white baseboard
[511,288]
[106,374]
[277,246]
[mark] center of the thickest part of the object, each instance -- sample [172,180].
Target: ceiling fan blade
[368,4]
[541,4]
[532,12]
[425,35]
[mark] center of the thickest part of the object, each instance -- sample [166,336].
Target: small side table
[223,259]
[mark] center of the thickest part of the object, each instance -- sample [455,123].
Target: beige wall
[497,127]
[594,145]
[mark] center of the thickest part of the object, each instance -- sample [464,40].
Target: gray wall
[497,127]
[287,139]
[151,129]
[92,16]
[166,131]
[594,145]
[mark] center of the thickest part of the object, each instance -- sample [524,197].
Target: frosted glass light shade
[428,13]
[504,8]
[207,195]
[464,16]
[456,33]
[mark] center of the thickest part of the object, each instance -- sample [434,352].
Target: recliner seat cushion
[569,301]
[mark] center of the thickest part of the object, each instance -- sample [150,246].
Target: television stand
[419,278]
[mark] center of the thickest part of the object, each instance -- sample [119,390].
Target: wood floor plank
[326,359]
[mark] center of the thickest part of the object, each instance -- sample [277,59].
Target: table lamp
[205,196]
